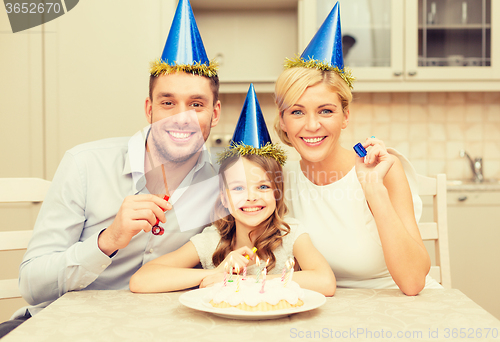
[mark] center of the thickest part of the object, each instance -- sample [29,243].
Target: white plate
[199,300]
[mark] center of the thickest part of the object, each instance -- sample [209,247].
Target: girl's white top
[342,227]
[207,242]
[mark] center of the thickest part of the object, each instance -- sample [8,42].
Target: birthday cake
[249,295]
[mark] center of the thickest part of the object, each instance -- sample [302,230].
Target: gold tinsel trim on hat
[159,67]
[268,150]
[345,73]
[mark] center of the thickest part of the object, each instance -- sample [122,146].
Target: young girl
[251,214]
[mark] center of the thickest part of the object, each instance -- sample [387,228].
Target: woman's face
[314,123]
[251,197]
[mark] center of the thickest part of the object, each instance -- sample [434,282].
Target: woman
[358,211]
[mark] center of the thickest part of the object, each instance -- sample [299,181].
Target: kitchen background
[429,128]
[428,84]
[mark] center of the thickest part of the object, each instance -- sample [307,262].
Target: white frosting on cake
[249,292]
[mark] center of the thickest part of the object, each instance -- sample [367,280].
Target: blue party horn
[360,150]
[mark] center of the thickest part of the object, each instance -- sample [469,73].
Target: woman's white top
[342,227]
[207,242]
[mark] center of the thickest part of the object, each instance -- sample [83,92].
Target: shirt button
[151,250]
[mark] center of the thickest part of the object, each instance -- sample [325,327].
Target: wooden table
[352,314]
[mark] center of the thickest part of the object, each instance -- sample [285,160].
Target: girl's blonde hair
[292,83]
[272,235]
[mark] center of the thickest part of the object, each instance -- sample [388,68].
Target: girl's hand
[212,279]
[376,164]
[235,257]
[215,278]
[238,257]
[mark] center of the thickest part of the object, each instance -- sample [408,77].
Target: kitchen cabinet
[454,39]
[420,45]
[251,39]
[22,136]
[390,45]
[21,98]
[96,71]
[474,234]
[81,77]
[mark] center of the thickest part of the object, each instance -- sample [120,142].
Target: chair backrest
[437,230]
[15,190]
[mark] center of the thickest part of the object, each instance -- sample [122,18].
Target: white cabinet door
[21,134]
[451,40]
[373,39]
[250,39]
[474,236]
[420,45]
[97,59]
[21,101]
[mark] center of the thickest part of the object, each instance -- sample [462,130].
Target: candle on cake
[291,265]
[245,266]
[225,274]
[237,277]
[284,271]
[230,269]
[264,273]
[257,263]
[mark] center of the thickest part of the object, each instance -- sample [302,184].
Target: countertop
[468,185]
[352,314]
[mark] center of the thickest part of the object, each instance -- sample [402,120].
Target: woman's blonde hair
[292,83]
[275,228]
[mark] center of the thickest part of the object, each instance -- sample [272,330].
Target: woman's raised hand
[376,164]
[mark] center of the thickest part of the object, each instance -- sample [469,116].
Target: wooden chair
[437,230]
[14,190]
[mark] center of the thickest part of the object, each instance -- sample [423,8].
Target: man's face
[181,113]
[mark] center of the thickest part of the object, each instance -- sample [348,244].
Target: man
[94,228]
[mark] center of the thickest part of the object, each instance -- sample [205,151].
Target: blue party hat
[184,50]
[251,135]
[324,51]
[251,128]
[326,45]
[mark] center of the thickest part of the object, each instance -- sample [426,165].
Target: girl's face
[314,123]
[249,196]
